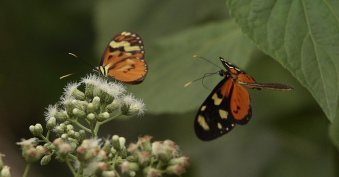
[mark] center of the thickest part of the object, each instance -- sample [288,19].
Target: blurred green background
[288,133]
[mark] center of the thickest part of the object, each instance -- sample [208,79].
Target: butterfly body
[123,59]
[229,103]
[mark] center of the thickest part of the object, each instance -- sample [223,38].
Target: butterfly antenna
[66,75]
[206,75]
[197,56]
[82,61]
[75,56]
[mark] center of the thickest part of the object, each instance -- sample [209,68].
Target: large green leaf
[302,35]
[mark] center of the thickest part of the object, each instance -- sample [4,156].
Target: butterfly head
[101,70]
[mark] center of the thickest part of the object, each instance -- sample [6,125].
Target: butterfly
[123,59]
[229,103]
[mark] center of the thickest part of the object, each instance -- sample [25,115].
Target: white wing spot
[219,125]
[203,108]
[223,114]
[125,33]
[217,100]
[127,46]
[202,122]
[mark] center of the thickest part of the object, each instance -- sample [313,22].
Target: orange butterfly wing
[123,58]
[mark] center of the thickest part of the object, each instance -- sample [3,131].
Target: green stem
[160,165]
[114,160]
[45,139]
[71,167]
[79,170]
[105,121]
[48,133]
[26,170]
[81,126]
[92,130]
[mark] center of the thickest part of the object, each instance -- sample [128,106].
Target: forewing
[214,118]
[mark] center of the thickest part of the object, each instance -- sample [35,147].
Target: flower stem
[45,139]
[79,170]
[71,168]
[26,170]
[105,121]
[81,126]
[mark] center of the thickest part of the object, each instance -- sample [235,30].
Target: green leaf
[303,36]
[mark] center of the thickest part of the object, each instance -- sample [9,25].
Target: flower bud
[78,113]
[116,143]
[122,141]
[124,109]
[64,148]
[107,147]
[175,170]
[78,94]
[89,91]
[144,157]
[109,174]
[76,104]
[5,172]
[59,129]
[106,98]
[103,116]
[91,108]
[96,102]
[76,135]
[113,106]
[129,166]
[70,133]
[82,135]
[64,136]
[100,167]
[61,116]
[91,117]
[132,173]
[184,161]
[151,172]
[36,130]
[51,123]
[45,160]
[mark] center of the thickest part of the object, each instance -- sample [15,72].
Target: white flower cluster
[100,101]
